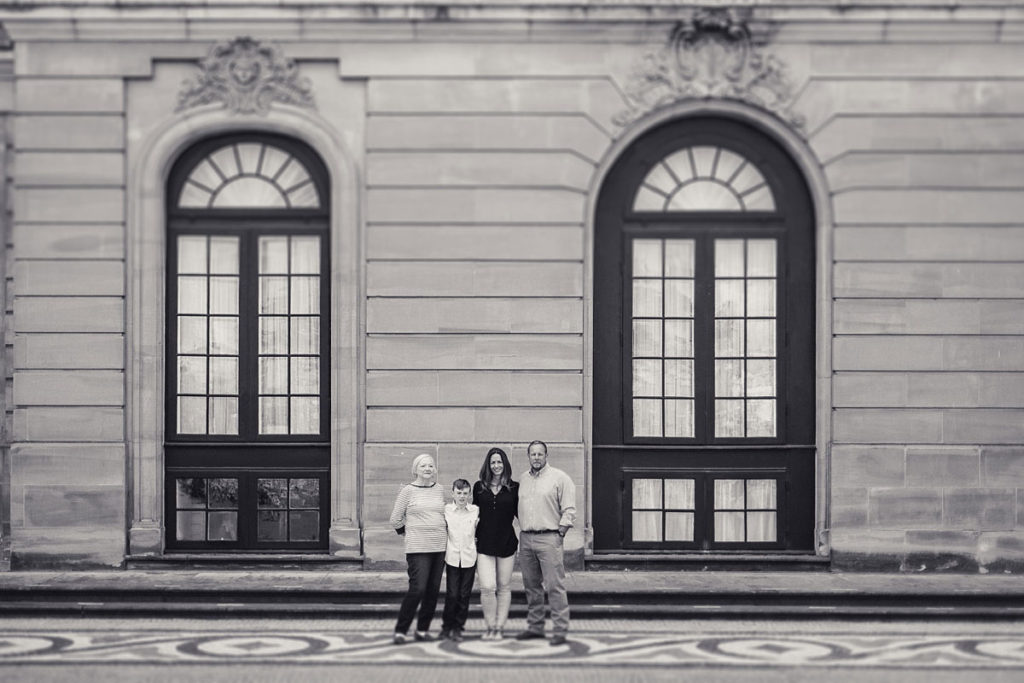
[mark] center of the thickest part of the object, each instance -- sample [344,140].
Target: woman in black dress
[497,496]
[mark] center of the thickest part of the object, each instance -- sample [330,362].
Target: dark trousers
[424,585]
[458,586]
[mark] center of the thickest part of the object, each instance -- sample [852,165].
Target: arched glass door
[247,377]
[704,345]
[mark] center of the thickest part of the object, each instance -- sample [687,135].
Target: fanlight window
[249,175]
[704,179]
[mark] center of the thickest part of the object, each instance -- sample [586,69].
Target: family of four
[472,538]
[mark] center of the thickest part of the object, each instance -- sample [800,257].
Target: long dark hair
[487,477]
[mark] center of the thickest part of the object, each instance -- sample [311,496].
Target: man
[547,509]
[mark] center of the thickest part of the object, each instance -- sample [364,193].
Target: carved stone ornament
[247,76]
[710,55]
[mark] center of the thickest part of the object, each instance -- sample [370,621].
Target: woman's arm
[398,513]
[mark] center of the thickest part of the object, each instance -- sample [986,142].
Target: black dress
[494,533]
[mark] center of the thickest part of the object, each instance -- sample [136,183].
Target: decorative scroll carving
[247,76]
[710,55]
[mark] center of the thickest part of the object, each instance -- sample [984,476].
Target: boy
[460,559]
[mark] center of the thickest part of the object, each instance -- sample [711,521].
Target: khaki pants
[540,557]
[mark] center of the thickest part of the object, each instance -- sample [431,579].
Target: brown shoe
[558,639]
[529,634]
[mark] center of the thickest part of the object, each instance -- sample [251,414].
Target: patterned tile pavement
[595,647]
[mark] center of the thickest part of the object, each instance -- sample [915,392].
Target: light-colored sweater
[421,511]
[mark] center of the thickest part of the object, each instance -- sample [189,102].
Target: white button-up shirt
[462,523]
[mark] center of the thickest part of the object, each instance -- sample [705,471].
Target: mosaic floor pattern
[594,649]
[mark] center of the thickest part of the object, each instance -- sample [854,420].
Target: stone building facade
[753,271]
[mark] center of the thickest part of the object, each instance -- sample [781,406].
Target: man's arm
[566,504]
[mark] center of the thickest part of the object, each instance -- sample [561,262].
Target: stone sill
[311,561]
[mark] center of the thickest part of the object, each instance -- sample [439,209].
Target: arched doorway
[247,430]
[704,354]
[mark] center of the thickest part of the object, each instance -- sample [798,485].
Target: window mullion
[704,338]
[248,380]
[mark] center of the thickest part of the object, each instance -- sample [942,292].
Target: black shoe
[423,636]
[530,635]
[445,634]
[456,635]
[558,639]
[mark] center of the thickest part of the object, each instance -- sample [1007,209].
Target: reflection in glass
[646,526]
[305,493]
[272,493]
[647,494]
[190,526]
[223,492]
[222,526]
[272,525]
[191,493]
[304,526]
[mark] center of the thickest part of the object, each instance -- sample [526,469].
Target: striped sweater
[421,511]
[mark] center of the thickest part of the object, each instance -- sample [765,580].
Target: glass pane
[729,298]
[679,526]
[647,338]
[224,159]
[292,174]
[646,526]
[306,255]
[273,160]
[748,177]
[729,494]
[728,258]
[681,164]
[191,493]
[679,494]
[223,295]
[761,338]
[679,378]
[206,175]
[273,255]
[679,338]
[761,417]
[305,415]
[704,160]
[759,200]
[728,162]
[305,295]
[305,493]
[679,419]
[661,179]
[760,378]
[193,196]
[761,298]
[679,258]
[728,419]
[272,493]
[223,493]
[274,335]
[679,298]
[272,525]
[304,196]
[223,526]
[729,378]
[191,294]
[761,527]
[646,494]
[761,494]
[191,254]
[761,258]
[190,526]
[191,415]
[646,377]
[223,415]
[304,526]
[274,295]
[648,200]
[191,375]
[249,156]
[646,417]
[305,375]
[273,375]
[729,527]
[224,255]
[728,338]
[224,336]
[305,335]
[273,415]
[646,298]
[704,195]
[646,258]
[224,375]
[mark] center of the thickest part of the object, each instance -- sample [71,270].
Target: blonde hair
[418,459]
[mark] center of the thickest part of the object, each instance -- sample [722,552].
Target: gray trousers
[540,558]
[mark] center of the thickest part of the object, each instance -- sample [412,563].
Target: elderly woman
[419,516]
